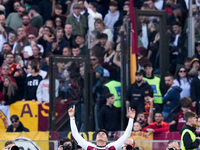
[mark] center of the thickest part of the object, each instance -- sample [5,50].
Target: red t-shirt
[180,120]
[164,127]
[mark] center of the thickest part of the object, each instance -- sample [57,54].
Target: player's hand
[71,111]
[131,113]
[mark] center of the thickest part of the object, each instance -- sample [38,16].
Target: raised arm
[118,144]
[81,141]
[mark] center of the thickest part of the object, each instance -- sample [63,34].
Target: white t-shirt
[28,49]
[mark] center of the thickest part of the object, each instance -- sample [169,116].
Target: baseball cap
[148,93]
[195,59]
[76,6]
[139,72]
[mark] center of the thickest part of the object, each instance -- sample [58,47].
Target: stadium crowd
[31,31]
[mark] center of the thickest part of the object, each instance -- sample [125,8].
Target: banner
[27,112]
[33,116]
[4,118]
[25,140]
[142,136]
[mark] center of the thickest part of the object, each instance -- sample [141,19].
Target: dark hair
[57,29]
[187,59]
[13,32]
[50,30]
[66,140]
[34,65]
[102,36]
[14,117]
[94,4]
[168,75]
[48,54]
[75,46]
[9,142]
[102,130]
[113,3]
[185,102]
[7,44]
[9,53]
[147,65]
[189,115]
[178,77]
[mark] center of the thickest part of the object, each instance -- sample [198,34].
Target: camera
[173,148]
[67,147]
[129,147]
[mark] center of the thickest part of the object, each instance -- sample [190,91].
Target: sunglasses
[12,35]
[93,59]
[14,121]
[181,71]
[5,68]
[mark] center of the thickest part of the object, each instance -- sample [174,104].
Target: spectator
[198,125]
[76,51]
[22,40]
[59,22]
[197,55]
[32,42]
[57,11]
[42,93]
[50,24]
[45,7]
[195,64]
[6,49]
[32,82]
[93,14]
[136,93]
[16,125]
[28,28]
[183,81]
[195,94]
[101,27]
[19,75]
[78,21]
[178,45]
[67,51]
[158,126]
[14,20]
[189,138]
[187,63]
[68,36]
[2,22]
[185,107]
[113,15]
[12,40]
[168,6]
[83,9]
[155,84]
[137,127]
[5,73]
[142,120]
[172,97]
[10,60]
[153,47]
[10,91]
[57,45]
[36,19]
[80,40]
[45,36]
[142,57]
[45,67]
[16,6]
[109,115]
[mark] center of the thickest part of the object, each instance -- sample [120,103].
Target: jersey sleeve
[118,144]
[81,141]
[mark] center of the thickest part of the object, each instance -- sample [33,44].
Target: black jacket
[21,128]
[109,118]
[187,139]
[195,86]
[135,95]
